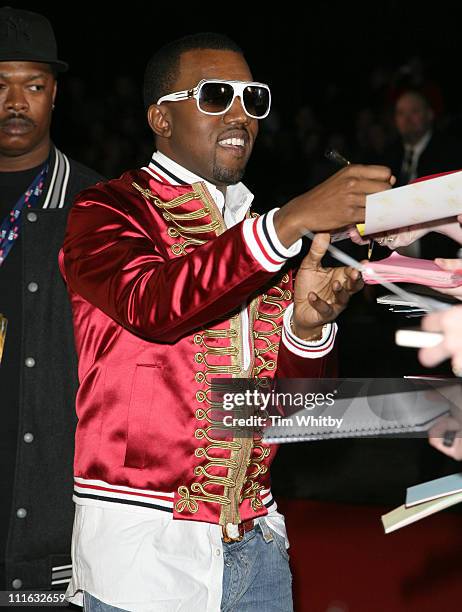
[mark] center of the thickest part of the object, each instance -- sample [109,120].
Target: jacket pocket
[139,414]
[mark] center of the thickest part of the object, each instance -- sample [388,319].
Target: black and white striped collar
[54,191]
[164,174]
[238,197]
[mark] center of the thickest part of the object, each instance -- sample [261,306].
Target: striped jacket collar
[238,197]
[54,191]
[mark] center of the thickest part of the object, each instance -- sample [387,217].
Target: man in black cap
[38,366]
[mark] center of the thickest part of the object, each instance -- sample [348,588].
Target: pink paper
[400,269]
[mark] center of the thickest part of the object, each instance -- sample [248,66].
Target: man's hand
[449,323]
[436,435]
[320,294]
[337,202]
[452,265]
[405,236]
[401,238]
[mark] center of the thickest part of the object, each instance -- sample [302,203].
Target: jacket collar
[54,190]
[233,207]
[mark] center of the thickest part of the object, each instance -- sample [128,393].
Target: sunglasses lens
[256,100]
[215,97]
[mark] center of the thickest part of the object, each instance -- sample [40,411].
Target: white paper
[428,200]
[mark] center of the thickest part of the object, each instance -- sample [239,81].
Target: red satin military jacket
[156,285]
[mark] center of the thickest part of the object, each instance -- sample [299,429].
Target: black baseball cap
[28,37]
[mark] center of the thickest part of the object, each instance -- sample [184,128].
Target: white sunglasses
[216,96]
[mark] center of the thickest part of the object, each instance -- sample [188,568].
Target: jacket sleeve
[302,359]
[118,261]
[291,365]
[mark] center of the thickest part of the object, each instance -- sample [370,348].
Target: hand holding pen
[334,156]
[339,201]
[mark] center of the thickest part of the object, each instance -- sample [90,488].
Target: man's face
[413,117]
[198,141]
[27,92]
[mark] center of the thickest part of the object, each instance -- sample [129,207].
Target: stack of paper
[423,500]
[429,199]
[400,269]
[389,299]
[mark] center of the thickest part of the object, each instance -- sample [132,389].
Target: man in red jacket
[173,283]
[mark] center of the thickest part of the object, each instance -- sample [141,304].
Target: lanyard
[9,229]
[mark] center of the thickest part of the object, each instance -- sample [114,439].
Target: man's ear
[55,89]
[159,120]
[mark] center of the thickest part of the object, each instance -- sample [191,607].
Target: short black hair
[162,69]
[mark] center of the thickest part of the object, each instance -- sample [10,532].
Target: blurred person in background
[421,150]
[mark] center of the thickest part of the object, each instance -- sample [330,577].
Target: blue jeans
[256,575]
[91,604]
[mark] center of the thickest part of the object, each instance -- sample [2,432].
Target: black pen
[334,156]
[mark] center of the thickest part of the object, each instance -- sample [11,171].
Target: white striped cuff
[304,348]
[277,244]
[262,240]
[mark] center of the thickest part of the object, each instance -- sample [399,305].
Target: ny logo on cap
[14,27]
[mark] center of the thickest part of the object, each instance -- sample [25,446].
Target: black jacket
[39,538]
[442,154]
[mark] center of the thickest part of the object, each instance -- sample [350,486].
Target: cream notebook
[402,516]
